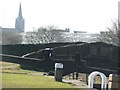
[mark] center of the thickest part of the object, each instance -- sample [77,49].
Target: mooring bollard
[58,72]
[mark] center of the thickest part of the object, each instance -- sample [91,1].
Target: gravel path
[76,83]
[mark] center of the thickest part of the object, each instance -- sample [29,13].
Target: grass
[14,68]
[15,77]
[30,81]
[9,66]
[4,64]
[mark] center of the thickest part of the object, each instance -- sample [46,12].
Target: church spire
[20,11]
[19,24]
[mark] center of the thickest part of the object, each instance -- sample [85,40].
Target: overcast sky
[82,15]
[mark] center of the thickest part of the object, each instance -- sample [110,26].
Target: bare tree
[11,38]
[50,34]
[112,35]
[47,34]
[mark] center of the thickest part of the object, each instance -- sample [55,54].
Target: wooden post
[114,82]
[77,59]
[86,78]
[73,76]
[77,75]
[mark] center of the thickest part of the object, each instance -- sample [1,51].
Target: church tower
[19,24]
